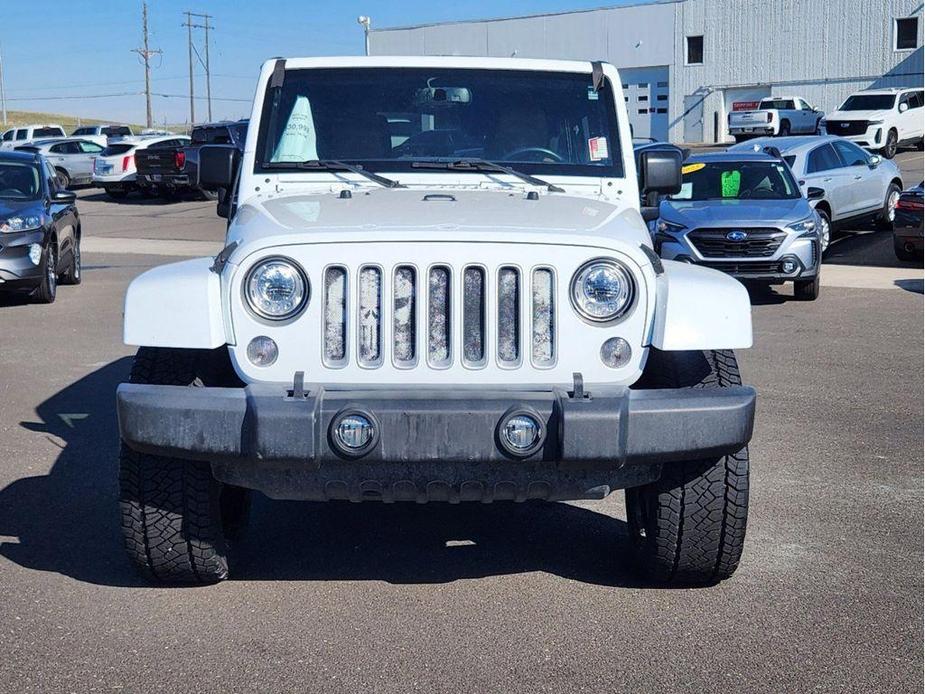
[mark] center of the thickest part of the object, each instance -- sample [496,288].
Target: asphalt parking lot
[829,596]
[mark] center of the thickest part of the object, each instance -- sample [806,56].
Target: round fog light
[521,433]
[788,266]
[616,352]
[354,433]
[35,253]
[262,351]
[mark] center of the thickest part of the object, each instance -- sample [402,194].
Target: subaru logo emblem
[844,125]
[736,236]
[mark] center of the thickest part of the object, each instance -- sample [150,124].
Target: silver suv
[743,213]
[859,187]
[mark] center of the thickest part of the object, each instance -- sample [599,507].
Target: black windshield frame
[604,96]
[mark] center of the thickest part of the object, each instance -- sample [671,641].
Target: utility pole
[2,90]
[146,54]
[192,49]
[189,44]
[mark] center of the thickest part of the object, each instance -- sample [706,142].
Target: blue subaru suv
[743,213]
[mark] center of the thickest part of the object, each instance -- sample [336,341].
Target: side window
[917,100]
[8,135]
[21,134]
[851,154]
[52,177]
[822,159]
[89,147]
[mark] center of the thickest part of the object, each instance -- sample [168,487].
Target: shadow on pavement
[68,522]
[915,286]
[868,248]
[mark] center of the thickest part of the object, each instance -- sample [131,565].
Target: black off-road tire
[806,290]
[207,194]
[902,253]
[177,519]
[784,130]
[64,178]
[688,528]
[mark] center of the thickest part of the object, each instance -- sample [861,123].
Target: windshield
[869,102]
[737,180]
[19,181]
[386,118]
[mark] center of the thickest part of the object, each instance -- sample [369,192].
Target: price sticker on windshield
[597,148]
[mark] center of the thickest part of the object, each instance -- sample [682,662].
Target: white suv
[881,119]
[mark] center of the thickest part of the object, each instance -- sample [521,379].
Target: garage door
[646,92]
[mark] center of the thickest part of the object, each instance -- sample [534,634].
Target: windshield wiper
[486,165]
[333,165]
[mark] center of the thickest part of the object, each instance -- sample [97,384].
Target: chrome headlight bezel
[805,227]
[577,297]
[247,289]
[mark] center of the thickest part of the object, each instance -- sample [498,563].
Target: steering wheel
[511,156]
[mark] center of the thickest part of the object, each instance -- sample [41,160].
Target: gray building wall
[821,50]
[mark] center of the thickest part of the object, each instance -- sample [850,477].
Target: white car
[71,157]
[103,133]
[880,119]
[114,169]
[386,325]
[858,187]
[24,134]
[779,115]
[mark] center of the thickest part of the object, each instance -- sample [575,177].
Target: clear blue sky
[81,49]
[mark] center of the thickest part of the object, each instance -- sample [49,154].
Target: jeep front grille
[758,243]
[488,306]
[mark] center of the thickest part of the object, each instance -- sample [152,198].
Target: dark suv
[171,171]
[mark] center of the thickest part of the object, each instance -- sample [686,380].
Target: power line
[123,94]
[146,54]
[190,25]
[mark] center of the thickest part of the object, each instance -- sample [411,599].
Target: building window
[642,98]
[626,98]
[662,110]
[695,50]
[626,86]
[662,84]
[907,33]
[643,85]
[661,97]
[643,111]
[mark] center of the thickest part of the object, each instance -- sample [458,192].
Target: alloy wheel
[891,204]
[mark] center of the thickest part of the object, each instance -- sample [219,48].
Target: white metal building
[684,63]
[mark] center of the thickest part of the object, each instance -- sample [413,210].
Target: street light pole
[365,21]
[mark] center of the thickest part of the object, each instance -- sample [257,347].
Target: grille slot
[404,316]
[509,316]
[473,305]
[369,333]
[439,347]
[335,316]
[752,268]
[846,127]
[759,243]
[544,345]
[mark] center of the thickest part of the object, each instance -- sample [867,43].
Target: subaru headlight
[276,289]
[806,227]
[668,227]
[20,223]
[602,290]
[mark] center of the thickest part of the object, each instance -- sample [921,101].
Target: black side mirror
[64,196]
[659,173]
[218,166]
[813,193]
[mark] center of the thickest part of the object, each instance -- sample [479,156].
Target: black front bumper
[434,442]
[16,268]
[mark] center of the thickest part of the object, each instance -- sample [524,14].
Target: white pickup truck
[779,115]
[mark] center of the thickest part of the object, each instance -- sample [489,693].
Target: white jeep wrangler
[437,285]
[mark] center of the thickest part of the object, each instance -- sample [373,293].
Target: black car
[907,224]
[173,170]
[39,228]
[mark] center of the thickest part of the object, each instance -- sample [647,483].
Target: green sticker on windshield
[731,181]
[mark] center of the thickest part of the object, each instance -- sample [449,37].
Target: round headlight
[602,290]
[276,289]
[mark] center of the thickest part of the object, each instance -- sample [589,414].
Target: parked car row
[877,119]
[764,210]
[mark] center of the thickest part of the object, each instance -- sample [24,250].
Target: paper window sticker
[730,182]
[597,148]
[300,139]
[592,94]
